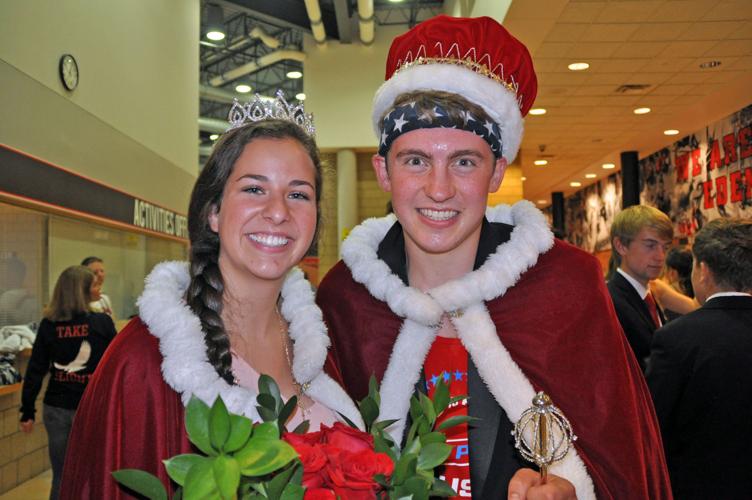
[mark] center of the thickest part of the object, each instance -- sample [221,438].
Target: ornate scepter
[543,434]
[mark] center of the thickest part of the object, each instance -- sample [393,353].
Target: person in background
[485,297]
[211,326]
[699,372]
[640,237]
[679,270]
[69,345]
[100,302]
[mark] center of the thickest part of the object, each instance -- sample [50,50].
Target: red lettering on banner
[696,162]
[729,148]
[682,162]
[715,155]
[707,188]
[745,142]
[735,179]
[721,191]
[748,182]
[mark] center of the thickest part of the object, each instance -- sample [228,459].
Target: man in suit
[640,238]
[700,375]
[484,297]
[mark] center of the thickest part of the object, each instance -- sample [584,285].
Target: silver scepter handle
[543,434]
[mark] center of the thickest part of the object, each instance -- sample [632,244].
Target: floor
[36,488]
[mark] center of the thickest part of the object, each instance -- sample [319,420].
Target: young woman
[69,344]
[208,328]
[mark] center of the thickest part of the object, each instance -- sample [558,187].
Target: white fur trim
[500,103]
[530,238]
[186,368]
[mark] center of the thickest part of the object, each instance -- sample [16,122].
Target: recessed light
[710,64]
[214,137]
[542,202]
[523,178]
[578,66]
[609,166]
[395,1]
[671,131]
[300,96]
[541,162]
[641,111]
[575,184]
[538,111]
[294,75]
[590,176]
[215,35]
[242,88]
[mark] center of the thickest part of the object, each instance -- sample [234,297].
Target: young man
[482,297]
[640,239]
[699,372]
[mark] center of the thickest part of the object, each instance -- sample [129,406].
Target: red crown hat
[476,58]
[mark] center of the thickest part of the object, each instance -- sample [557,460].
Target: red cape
[115,428]
[559,325]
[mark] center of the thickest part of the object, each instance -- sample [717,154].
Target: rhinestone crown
[264,109]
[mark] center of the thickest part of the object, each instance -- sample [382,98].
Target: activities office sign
[703,176]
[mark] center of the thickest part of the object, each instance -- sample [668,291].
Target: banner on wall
[703,176]
[590,211]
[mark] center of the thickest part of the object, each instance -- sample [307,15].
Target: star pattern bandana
[406,118]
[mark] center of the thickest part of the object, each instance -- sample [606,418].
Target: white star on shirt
[384,135]
[399,122]
[489,127]
[467,117]
[437,112]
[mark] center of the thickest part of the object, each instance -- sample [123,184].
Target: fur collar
[186,368]
[465,297]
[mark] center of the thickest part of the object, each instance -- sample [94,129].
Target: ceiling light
[590,176]
[538,111]
[214,137]
[215,29]
[294,75]
[575,184]
[542,202]
[710,64]
[541,162]
[671,131]
[242,88]
[578,66]
[300,96]
[523,178]
[641,111]
[609,166]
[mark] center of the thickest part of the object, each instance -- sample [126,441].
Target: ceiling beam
[342,14]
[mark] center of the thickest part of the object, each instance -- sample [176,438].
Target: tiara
[263,108]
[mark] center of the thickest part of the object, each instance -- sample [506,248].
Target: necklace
[299,388]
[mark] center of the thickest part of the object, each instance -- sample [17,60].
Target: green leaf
[219,424]
[414,429]
[302,427]
[418,487]
[200,482]
[227,476]
[415,410]
[286,411]
[197,425]
[441,488]
[178,466]
[427,406]
[456,420]
[373,390]
[347,420]
[433,455]
[267,385]
[240,430]
[141,482]
[263,455]
[267,401]
[276,486]
[293,492]
[404,468]
[381,445]
[432,437]
[383,424]
[369,410]
[266,414]
[440,397]
[413,446]
[267,430]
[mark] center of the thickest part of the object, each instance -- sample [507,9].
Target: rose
[351,473]
[313,458]
[346,438]
[309,438]
[319,494]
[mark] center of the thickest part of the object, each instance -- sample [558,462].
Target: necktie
[650,302]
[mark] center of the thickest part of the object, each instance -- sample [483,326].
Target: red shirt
[447,360]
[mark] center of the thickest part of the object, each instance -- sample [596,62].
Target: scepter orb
[543,435]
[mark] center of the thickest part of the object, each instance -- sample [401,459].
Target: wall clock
[68,71]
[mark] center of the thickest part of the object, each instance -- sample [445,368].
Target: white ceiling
[660,43]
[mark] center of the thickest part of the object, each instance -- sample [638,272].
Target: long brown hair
[204,295]
[71,295]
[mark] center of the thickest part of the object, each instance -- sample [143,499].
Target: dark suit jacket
[700,376]
[634,316]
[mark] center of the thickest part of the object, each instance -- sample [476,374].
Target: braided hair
[206,288]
